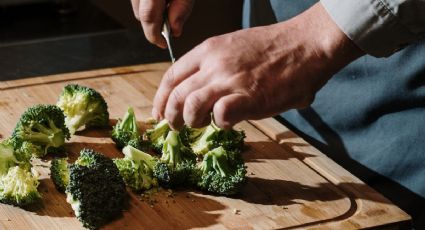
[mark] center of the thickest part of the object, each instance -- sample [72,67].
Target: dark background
[42,37]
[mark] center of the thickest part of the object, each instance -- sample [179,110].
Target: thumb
[178,13]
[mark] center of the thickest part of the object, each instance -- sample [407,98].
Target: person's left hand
[254,73]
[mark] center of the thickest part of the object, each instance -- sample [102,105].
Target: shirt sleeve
[379,27]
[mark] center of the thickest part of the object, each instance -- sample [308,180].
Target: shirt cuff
[371,24]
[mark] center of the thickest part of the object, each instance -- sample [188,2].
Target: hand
[254,73]
[150,14]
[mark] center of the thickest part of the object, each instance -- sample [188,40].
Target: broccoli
[7,157]
[43,128]
[189,135]
[27,149]
[19,187]
[136,169]
[157,134]
[96,191]
[59,173]
[176,163]
[83,106]
[221,172]
[126,131]
[213,136]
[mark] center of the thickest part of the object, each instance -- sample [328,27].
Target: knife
[166,33]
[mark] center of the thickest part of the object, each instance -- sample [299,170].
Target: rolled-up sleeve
[379,27]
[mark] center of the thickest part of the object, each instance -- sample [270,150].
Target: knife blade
[166,33]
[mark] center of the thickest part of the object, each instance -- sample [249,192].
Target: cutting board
[290,183]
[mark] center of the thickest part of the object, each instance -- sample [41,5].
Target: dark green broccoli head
[126,129]
[157,135]
[59,173]
[43,126]
[139,144]
[96,191]
[210,137]
[176,163]
[222,172]
[172,177]
[136,169]
[19,187]
[83,106]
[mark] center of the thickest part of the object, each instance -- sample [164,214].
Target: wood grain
[290,184]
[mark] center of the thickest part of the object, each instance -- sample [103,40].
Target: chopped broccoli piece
[176,163]
[19,187]
[126,130]
[96,191]
[139,144]
[213,137]
[158,134]
[7,157]
[221,172]
[59,173]
[28,149]
[189,135]
[41,129]
[136,169]
[83,106]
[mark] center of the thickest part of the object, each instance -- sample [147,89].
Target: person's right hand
[150,14]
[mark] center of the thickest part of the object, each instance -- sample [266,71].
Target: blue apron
[369,118]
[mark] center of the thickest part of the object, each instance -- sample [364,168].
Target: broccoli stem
[52,136]
[137,155]
[129,122]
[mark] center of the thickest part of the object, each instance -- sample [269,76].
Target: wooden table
[290,183]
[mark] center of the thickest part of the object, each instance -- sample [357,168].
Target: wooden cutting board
[290,184]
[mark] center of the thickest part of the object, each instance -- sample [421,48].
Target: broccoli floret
[221,172]
[7,157]
[127,130]
[27,149]
[212,137]
[59,173]
[157,135]
[188,135]
[136,169]
[43,127]
[96,191]
[176,163]
[83,106]
[19,187]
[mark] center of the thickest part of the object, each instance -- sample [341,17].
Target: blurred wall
[209,18]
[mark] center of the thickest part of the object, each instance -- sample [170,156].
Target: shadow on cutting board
[267,149]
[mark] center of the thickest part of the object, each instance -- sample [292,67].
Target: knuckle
[194,104]
[169,78]
[211,43]
[176,98]
[148,15]
[194,115]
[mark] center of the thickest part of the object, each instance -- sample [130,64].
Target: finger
[232,109]
[178,72]
[176,101]
[135,6]
[178,13]
[151,17]
[199,105]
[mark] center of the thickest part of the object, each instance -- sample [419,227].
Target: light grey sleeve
[379,27]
